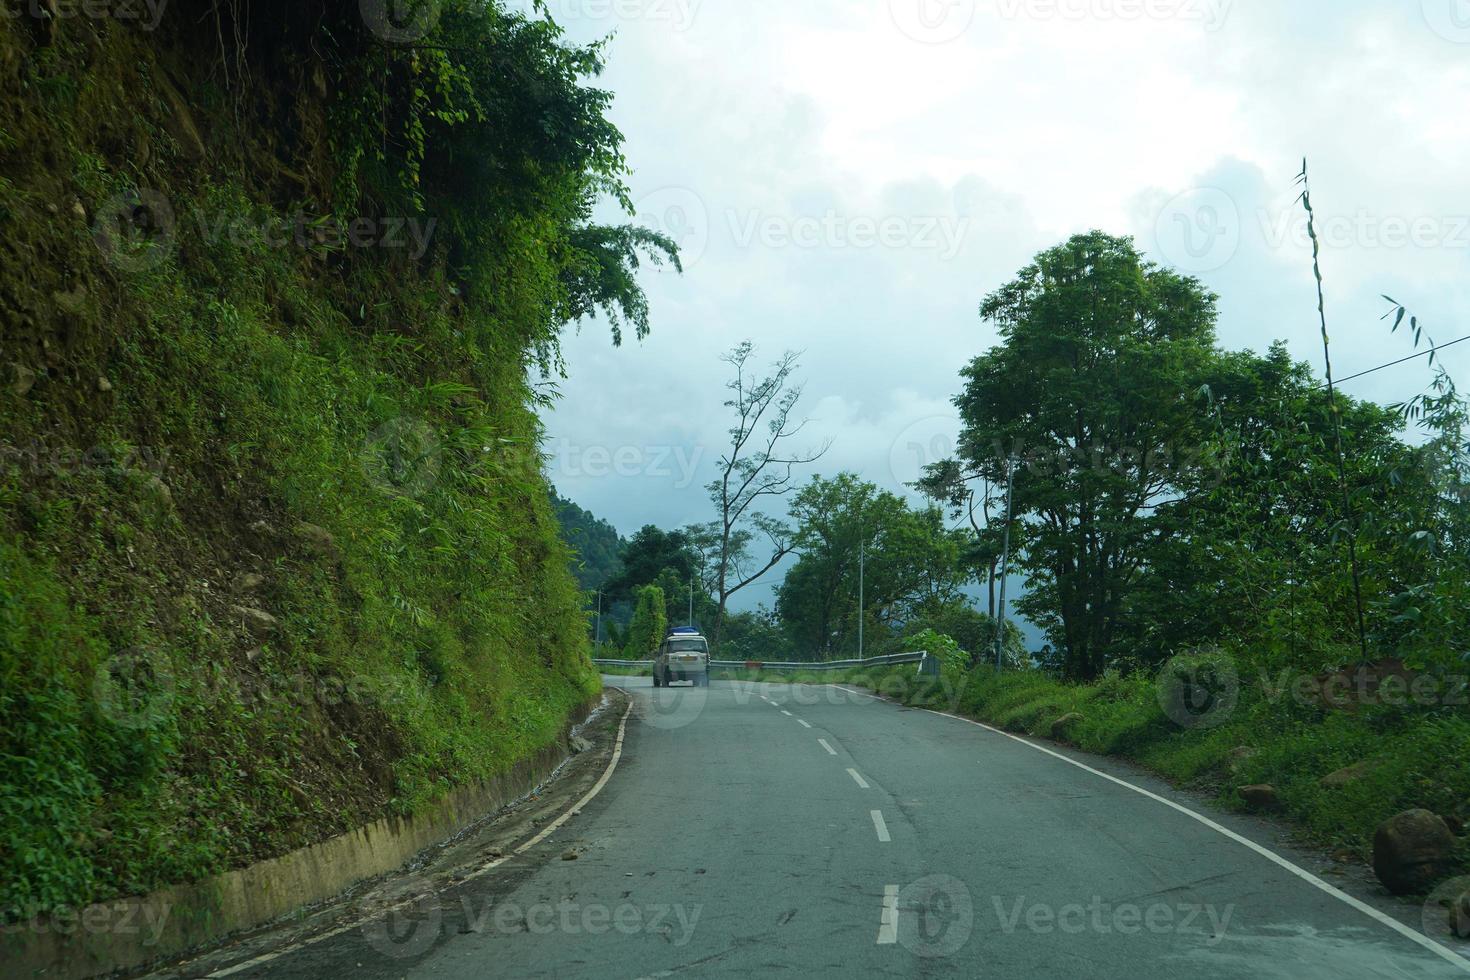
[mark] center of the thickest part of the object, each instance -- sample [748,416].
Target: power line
[1402,360]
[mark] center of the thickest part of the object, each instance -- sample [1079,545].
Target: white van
[683,656]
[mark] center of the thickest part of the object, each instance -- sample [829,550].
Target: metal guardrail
[890,659]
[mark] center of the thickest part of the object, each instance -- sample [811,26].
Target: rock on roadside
[257,621]
[247,582]
[316,537]
[1261,797]
[1347,775]
[1460,916]
[1060,726]
[1413,850]
[1239,756]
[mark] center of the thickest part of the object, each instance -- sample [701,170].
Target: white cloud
[793,127]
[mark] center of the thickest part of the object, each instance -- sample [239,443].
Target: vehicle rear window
[687,646]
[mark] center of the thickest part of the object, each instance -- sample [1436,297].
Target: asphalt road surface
[765,830]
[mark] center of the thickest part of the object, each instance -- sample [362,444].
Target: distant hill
[597,544]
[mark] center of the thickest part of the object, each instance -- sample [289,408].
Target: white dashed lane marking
[888,920]
[880,827]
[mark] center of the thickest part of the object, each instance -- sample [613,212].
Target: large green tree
[1093,391]
[1253,556]
[910,562]
[647,555]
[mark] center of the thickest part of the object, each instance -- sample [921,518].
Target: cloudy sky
[849,178]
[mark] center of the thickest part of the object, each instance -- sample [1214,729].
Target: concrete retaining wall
[132,932]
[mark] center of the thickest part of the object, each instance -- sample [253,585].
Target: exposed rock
[580,744]
[181,125]
[257,621]
[1060,726]
[1261,797]
[1460,915]
[161,491]
[103,385]
[78,210]
[247,582]
[570,855]
[1347,775]
[71,302]
[318,537]
[50,21]
[261,527]
[23,379]
[1240,755]
[1413,850]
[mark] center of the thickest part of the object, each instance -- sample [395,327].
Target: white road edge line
[830,749]
[860,780]
[880,826]
[596,788]
[1383,918]
[803,724]
[888,920]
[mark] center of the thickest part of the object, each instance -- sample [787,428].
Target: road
[813,832]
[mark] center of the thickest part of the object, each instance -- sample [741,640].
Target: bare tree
[947,483]
[757,466]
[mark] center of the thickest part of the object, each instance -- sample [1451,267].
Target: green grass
[626,671]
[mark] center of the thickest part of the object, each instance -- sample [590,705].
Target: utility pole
[1005,565]
[599,617]
[691,597]
[862,559]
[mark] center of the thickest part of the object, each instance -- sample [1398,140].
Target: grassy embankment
[260,582]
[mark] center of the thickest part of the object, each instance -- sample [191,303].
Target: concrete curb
[128,933]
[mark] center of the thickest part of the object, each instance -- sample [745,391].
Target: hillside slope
[276,552]
[597,545]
